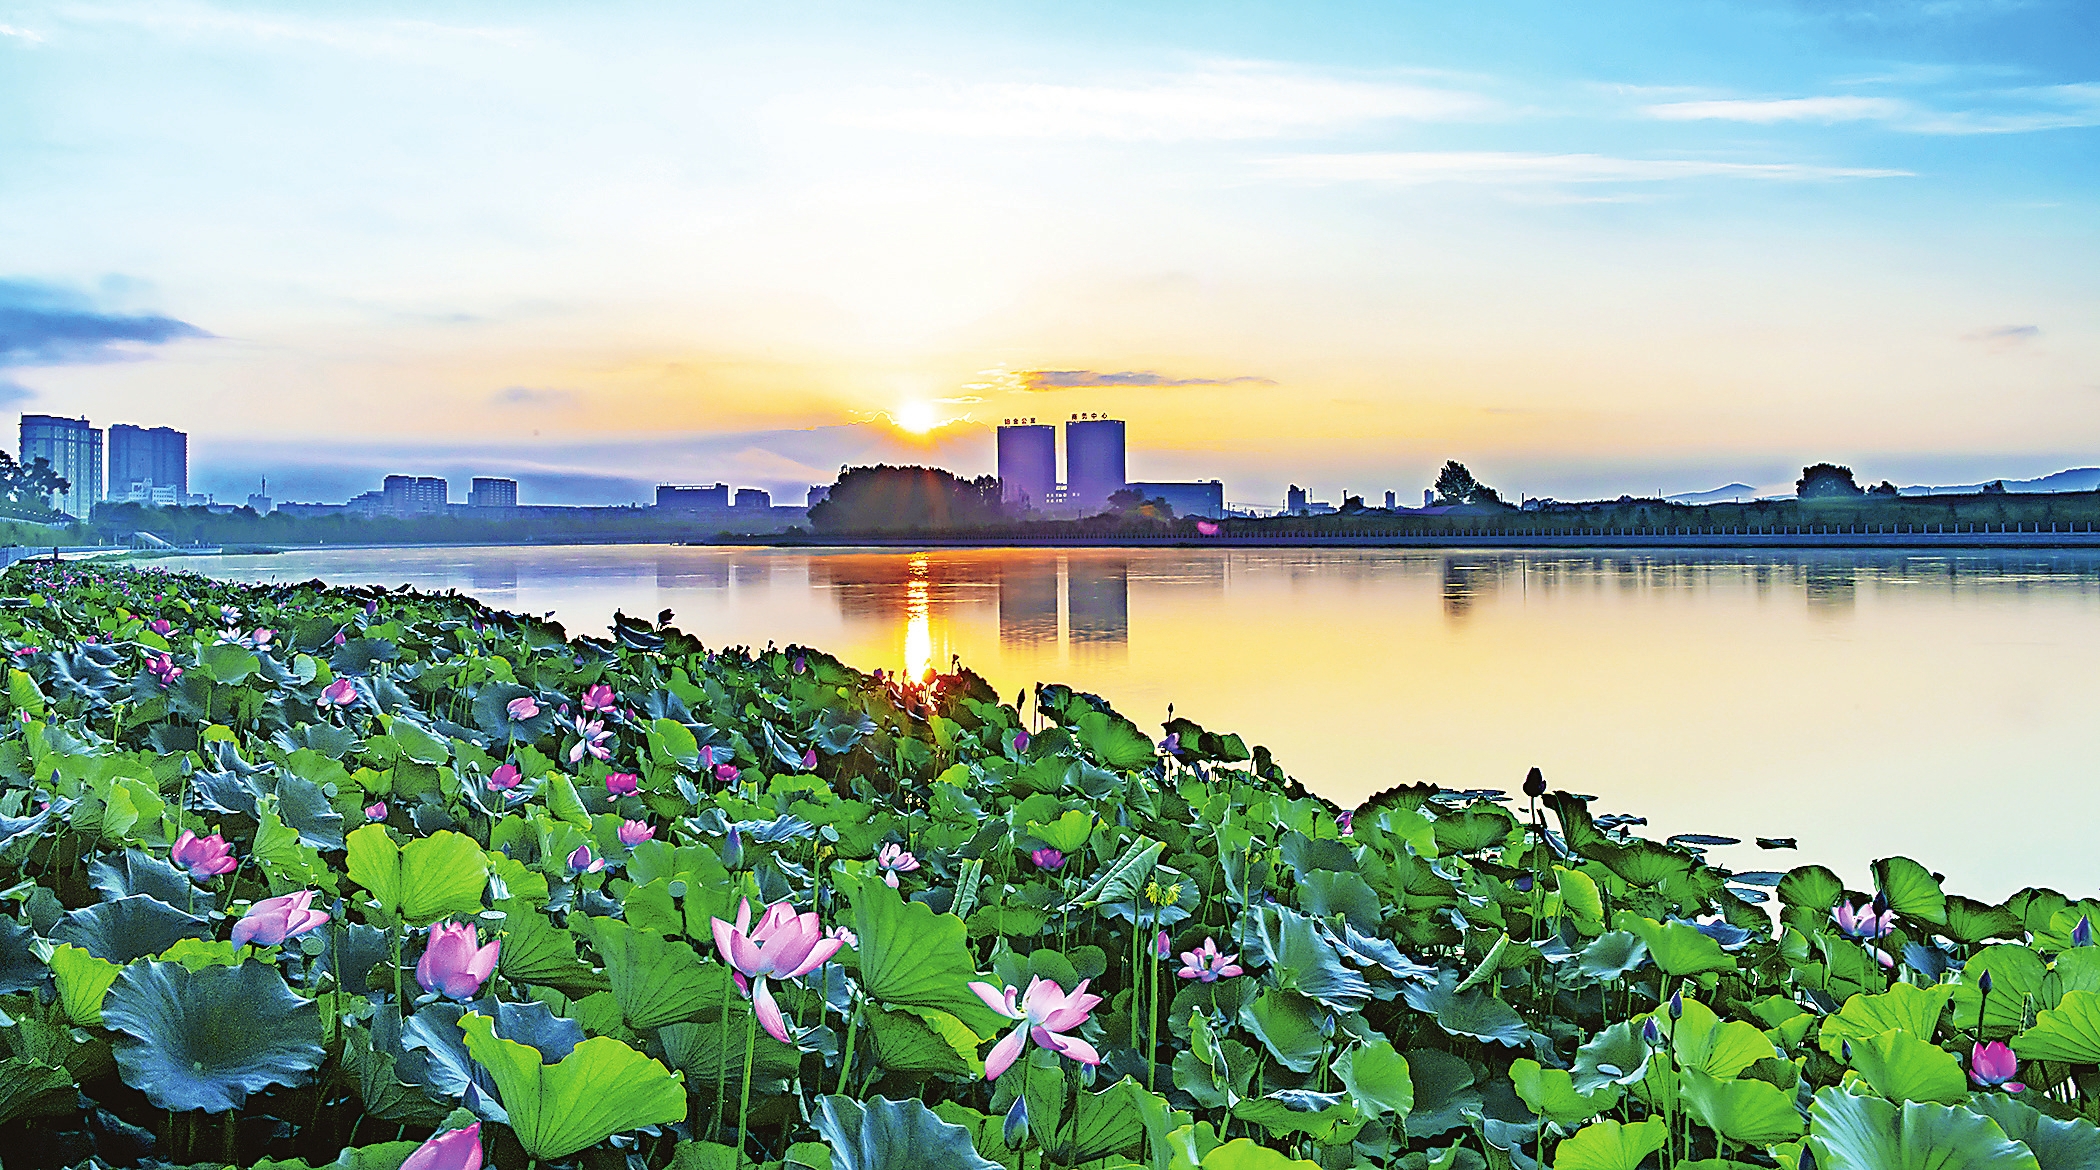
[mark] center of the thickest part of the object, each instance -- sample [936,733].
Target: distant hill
[1719,495]
[2077,479]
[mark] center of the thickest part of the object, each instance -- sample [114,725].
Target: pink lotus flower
[597,698]
[1207,964]
[622,783]
[591,738]
[1162,946]
[160,626]
[337,694]
[376,811]
[162,667]
[273,920]
[1020,742]
[1992,1065]
[452,963]
[522,708]
[809,759]
[726,773]
[581,861]
[260,639]
[203,856]
[1047,858]
[784,945]
[458,1150]
[1860,920]
[1346,822]
[339,639]
[707,759]
[844,936]
[893,859]
[505,776]
[1045,1013]
[633,833]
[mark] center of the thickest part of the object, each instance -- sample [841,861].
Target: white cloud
[8,30]
[1808,109]
[1218,101]
[189,19]
[1413,168]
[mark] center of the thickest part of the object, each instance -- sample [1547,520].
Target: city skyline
[649,244]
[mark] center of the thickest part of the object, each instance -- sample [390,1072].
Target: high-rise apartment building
[74,450]
[1094,467]
[485,492]
[412,495]
[753,498]
[148,465]
[674,497]
[1027,463]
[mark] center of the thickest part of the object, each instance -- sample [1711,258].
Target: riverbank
[1967,538]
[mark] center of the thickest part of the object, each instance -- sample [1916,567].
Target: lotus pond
[298,876]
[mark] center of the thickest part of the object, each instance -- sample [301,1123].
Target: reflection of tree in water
[1832,589]
[1028,601]
[1466,579]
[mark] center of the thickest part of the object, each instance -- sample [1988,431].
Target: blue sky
[1587,249]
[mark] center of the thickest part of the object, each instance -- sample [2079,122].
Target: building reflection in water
[1028,591]
[493,580]
[1097,602]
[687,573]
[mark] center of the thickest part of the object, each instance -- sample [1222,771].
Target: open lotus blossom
[160,626]
[591,738]
[162,667]
[1046,1013]
[273,920]
[784,945]
[1346,822]
[522,708]
[337,694]
[458,1150]
[1993,1065]
[376,811]
[453,963]
[1047,858]
[623,783]
[1859,920]
[1208,963]
[203,856]
[505,776]
[260,639]
[893,859]
[597,698]
[633,833]
[844,936]
[581,861]
[726,773]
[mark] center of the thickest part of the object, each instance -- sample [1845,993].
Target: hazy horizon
[1637,247]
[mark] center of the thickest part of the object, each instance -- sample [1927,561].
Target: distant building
[145,491]
[492,493]
[817,495]
[151,463]
[371,503]
[1202,498]
[1429,497]
[412,495]
[1094,468]
[74,450]
[260,503]
[692,498]
[1294,500]
[753,498]
[1027,463]
[293,508]
[1392,501]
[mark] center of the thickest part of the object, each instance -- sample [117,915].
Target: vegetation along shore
[300,876]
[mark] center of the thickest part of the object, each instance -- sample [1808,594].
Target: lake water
[1941,706]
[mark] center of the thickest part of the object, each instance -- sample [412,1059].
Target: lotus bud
[1534,784]
[376,811]
[1162,946]
[809,759]
[1525,883]
[1676,1006]
[2082,934]
[457,1150]
[1983,983]
[733,849]
[1652,1033]
[1020,742]
[1016,1129]
[1845,1050]
[1881,904]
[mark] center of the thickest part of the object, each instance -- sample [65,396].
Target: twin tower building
[1094,471]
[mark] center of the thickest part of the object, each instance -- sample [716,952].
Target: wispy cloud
[1414,168]
[21,34]
[1222,100]
[2003,111]
[533,396]
[12,392]
[44,324]
[185,18]
[2001,338]
[1808,109]
[1078,379]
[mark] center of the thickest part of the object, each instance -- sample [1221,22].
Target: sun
[916,417]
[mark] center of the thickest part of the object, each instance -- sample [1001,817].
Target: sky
[1586,249]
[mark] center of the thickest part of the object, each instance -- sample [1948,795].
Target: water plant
[410,881]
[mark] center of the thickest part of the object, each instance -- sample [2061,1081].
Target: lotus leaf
[31,1089]
[1475,1013]
[1327,1118]
[1377,1076]
[601,1088]
[1811,887]
[1612,954]
[1610,1145]
[83,980]
[882,1134]
[1701,1040]
[2069,1032]
[1903,1007]
[206,1039]
[1615,1056]
[128,928]
[657,980]
[1970,922]
[2016,974]
[430,878]
[1443,1092]
[1677,947]
[1848,1132]
[2058,1144]
[1902,1067]
[1113,741]
[910,956]
[1748,1112]
[1302,958]
[1243,1154]
[1911,889]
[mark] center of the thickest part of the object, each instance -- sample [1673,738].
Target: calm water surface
[1865,703]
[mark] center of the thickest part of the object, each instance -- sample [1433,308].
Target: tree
[1455,485]
[907,499]
[1884,488]
[29,485]
[1825,481]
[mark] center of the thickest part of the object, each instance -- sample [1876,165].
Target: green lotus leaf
[601,1088]
[2057,1144]
[1328,1118]
[228,664]
[1580,897]
[1612,954]
[1444,1093]
[1644,863]
[1902,1067]
[714,1049]
[1377,1075]
[439,876]
[29,1088]
[1970,922]
[1678,948]
[1476,827]
[1104,1123]
[1903,1007]
[1610,1145]
[2016,975]
[923,1040]
[1067,834]
[83,980]
[1326,893]
[1615,1056]
[882,1134]
[1811,887]
[1747,1112]
[656,980]
[128,928]
[1701,1040]
[1247,1154]
[2069,1032]
[1302,959]
[910,956]
[1848,1132]
[1288,1025]
[206,1039]
[1550,1093]
[1911,889]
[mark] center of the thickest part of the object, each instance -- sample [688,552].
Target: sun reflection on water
[918,630]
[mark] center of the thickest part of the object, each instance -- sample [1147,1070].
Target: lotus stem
[714,1127]
[743,1109]
[846,1053]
